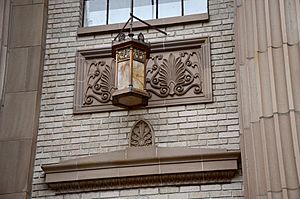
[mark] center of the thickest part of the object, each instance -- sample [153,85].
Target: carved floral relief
[141,134]
[175,74]
[100,82]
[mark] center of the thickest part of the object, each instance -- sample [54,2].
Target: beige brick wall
[63,135]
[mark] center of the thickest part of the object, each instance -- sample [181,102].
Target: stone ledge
[143,167]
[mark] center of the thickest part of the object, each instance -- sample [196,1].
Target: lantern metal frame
[124,97]
[130,90]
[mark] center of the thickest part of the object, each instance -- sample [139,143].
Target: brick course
[64,136]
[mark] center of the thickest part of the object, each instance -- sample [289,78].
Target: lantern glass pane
[123,74]
[138,75]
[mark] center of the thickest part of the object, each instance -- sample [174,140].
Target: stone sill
[143,167]
[83,31]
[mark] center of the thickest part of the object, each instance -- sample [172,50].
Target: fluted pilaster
[268,62]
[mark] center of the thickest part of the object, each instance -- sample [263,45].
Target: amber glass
[138,75]
[123,74]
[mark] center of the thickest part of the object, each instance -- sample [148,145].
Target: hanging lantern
[130,72]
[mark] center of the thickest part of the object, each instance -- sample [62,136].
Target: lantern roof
[130,41]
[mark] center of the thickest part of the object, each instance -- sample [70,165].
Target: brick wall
[63,135]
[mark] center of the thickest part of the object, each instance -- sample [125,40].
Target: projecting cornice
[143,167]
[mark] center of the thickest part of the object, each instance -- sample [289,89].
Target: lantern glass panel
[123,68]
[138,75]
[123,74]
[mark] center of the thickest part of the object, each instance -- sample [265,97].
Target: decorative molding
[145,181]
[100,82]
[141,134]
[178,72]
[143,167]
[175,75]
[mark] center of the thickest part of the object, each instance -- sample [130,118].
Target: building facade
[227,130]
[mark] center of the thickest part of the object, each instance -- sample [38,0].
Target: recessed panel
[177,73]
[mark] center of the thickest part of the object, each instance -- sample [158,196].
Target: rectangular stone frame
[180,61]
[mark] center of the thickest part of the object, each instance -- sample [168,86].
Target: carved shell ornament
[174,76]
[141,134]
[100,83]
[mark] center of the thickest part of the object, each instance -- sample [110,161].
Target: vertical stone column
[22,30]
[268,59]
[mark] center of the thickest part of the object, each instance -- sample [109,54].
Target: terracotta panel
[184,167]
[250,162]
[105,157]
[17,65]
[6,23]
[140,153]
[244,84]
[22,195]
[3,56]
[297,121]
[21,2]
[220,165]
[20,115]
[2,6]
[26,26]
[34,69]
[288,156]
[280,80]
[265,84]
[66,176]
[253,88]
[40,1]
[249,29]
[261,26]
[15,161]
[272,155]
[259,159]
[98,174]
[240,29]
[275,23]
[291,21]
[294,59]
[139,171]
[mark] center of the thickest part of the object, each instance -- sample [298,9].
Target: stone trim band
[143,167]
